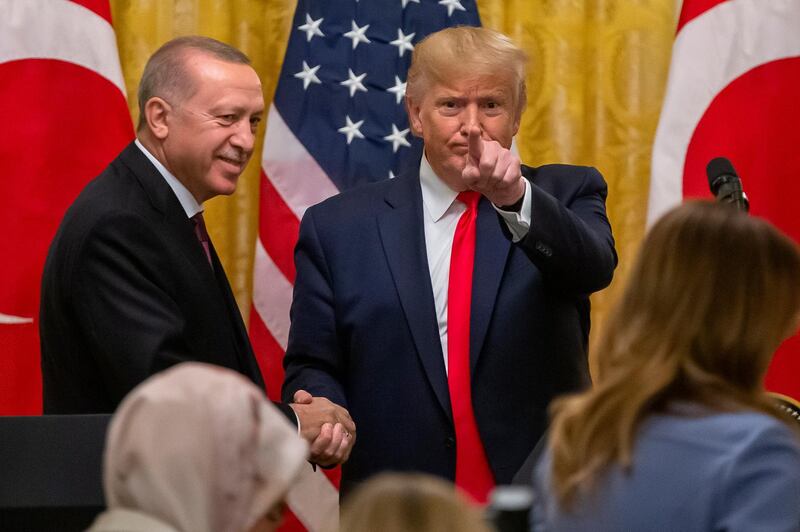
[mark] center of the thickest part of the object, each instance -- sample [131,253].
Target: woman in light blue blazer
[677,433]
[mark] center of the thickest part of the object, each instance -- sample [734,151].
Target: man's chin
[225,185]
[452,177]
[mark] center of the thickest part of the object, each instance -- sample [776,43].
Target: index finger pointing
[475,144]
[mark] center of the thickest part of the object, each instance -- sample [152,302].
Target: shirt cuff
[518,223]
[297,418]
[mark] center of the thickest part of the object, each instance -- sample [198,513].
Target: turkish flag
[65,117]
[733,92]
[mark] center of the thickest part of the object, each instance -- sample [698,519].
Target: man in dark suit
[132,284]
[445,309]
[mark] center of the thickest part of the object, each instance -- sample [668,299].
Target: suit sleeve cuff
[518,223]
[290,414]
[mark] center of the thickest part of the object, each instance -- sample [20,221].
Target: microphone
[509,508]
[725,184]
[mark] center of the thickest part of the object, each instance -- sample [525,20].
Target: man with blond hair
[446,308]
[132,284]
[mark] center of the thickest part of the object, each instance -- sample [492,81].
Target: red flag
[62,99]
[732,92]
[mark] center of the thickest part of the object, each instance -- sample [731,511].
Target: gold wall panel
[260,28]
[596,79]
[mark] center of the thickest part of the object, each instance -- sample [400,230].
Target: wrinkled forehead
[204,67]
[216,80]
[470,77]
[474,85]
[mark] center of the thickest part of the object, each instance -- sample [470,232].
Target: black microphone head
[716,168]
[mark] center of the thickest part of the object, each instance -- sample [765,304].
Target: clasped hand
[326,426]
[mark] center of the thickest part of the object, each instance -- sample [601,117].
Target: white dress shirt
[441,212]
[185,197]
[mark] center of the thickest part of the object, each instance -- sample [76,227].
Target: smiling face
[209,136]
[447,111]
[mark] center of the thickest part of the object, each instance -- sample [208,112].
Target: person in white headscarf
[198,448]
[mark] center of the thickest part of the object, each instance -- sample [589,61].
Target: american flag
[337,120]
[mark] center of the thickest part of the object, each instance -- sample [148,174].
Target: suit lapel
[163,200]
[402,234]
[246,357]
[180,233]
[491,252]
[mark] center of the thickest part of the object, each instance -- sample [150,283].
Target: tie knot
[469,197]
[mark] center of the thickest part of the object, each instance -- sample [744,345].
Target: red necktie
[202,234]
[473,474]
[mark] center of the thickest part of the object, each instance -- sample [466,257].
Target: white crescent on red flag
[62,99]
[733,89]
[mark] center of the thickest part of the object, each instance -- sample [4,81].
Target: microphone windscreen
[717,167]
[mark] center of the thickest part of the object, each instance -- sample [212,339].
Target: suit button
[544,249]
[449,442]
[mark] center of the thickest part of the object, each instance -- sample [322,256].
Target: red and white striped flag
[733,92]
[285,196]
[62,99]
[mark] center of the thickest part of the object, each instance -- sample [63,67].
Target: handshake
[326,426]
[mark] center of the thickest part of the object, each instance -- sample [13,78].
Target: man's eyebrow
[444,97]
[224,110]
[494,93]
[233,110]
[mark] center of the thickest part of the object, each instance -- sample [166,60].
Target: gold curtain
[596,80]
[260,28]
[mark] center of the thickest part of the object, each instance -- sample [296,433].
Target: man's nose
[244,137]
[470,118]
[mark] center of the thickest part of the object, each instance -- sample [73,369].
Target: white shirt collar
[186,199]
[436,195]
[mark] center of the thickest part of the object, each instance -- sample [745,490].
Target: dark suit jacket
[364,331]
[127,290]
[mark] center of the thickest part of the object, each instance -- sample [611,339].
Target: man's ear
[517,123]
[414,121]
[155,113]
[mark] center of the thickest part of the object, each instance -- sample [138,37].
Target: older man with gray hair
[132,284]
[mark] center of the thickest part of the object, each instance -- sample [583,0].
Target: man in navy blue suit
[445,309]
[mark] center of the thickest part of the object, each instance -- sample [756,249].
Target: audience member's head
[711,296]
[198,448]
[404,502]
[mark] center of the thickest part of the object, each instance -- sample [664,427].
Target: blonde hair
[467,52]
[165,74]
[409,502]
[712,294]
